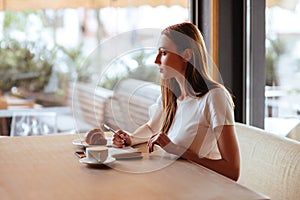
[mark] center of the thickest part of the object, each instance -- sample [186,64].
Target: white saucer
[79,142]
[87,161]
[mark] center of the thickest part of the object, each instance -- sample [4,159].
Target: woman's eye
[163,53]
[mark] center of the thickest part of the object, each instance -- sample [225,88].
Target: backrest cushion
[269,164]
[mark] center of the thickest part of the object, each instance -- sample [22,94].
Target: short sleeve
[220,108]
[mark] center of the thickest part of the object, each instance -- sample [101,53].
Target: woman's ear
[187,55]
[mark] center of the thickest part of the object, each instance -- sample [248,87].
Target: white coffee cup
[98,153]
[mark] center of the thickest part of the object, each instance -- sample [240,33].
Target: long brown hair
[198,81]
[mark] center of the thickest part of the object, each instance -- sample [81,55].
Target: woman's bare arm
[229,165]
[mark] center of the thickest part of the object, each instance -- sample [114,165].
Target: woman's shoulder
[218,89]
[220,94]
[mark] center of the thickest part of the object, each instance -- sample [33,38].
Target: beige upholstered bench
[269,164]
[129,105]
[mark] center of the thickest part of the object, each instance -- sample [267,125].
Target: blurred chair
[33,123]
[3,125]
[8,103]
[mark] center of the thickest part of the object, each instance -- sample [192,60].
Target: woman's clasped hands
[121,139]
[162,140]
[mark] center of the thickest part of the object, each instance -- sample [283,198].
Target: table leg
[4,129]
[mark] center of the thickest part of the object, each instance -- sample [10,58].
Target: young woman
[193,118]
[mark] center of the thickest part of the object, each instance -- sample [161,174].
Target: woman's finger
[150,147]
[149,141]
[151,138]
[124,137]
[152,141]
[117,141]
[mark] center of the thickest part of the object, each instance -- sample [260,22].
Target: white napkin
[113,151]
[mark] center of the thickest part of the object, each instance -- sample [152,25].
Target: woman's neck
[182,84]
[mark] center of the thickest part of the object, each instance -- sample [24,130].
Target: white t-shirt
[195,120]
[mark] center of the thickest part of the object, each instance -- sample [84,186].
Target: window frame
[239,51]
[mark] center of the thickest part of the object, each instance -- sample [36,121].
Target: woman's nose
[157,59]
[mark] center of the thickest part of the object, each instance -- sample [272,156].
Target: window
[68,33]
[47,45]
[258,59]
[282,67]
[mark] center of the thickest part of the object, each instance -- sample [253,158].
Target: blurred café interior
[255,68]
[69,34]
[59,73]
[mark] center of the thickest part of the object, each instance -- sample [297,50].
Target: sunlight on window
[283,66]
[45,48]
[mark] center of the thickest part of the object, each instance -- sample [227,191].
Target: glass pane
[283,67]
[45,50]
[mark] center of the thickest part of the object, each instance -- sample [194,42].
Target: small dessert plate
[79,142]
[87,161]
